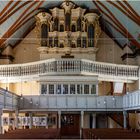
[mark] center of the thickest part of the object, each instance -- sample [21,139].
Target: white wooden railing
[131,100]
[68,66]
[8,100]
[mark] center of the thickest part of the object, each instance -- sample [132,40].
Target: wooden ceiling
[121,18]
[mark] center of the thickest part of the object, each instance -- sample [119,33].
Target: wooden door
[70,124]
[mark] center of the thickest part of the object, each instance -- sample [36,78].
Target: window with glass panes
[93,89]
[72,89]
[58,89]
[86,89]
[79,89]
[43,89]
[65,89]
[51,89]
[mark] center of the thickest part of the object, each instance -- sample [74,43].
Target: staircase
[118,118]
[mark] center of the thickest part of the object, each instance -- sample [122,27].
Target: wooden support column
[82,123]
[93,120]
[1,122]
[16,118]
[59,119]
[31,120]
[124,119]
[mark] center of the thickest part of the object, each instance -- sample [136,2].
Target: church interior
[69,69]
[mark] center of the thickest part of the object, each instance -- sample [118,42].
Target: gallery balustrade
[68,66]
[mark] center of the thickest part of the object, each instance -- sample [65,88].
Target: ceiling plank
[117,22]
[9,10]
[130,7]
[5,8]
[19,22]
[128,13]
[13,12]
[9,32]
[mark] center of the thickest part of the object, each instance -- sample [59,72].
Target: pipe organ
[66,27]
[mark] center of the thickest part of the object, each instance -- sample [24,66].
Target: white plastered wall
[108,51]
[134,120]
[26,50]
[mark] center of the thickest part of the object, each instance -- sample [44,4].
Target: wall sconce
[37,104]
[31,101]
[104,102]
[21,97]
[113,98]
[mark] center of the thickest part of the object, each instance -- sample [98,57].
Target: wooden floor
[110,133]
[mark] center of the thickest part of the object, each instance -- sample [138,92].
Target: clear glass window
[93,89]
[65,89]
[58,89]
[72,89]
[86,89]
[79,89]
[51,89]
[43,89]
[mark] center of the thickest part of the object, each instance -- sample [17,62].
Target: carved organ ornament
[69,26]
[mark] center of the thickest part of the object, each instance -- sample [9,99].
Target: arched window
[73,28]
[61,28]
[50,42]
[56,42]
[56,24]
[61,45]
[44,34]
[73,45]
[78,42]
[79,27]
[90,35]
[67,21]
[84,42]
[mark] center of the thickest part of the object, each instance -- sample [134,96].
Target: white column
[61,88]
[97,88]
[1,123]
[47,89]
[16,119]
[90,88]
[31,120]
[83,89]
[46,120]
[82,123]
[55,89]
[93,120]
[75,88]
[139,78]
[68,88]
[59,119]
[124,119]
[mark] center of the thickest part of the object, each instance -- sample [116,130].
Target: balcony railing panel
[68,66]
[87,102]
[131,100]
[8,100]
